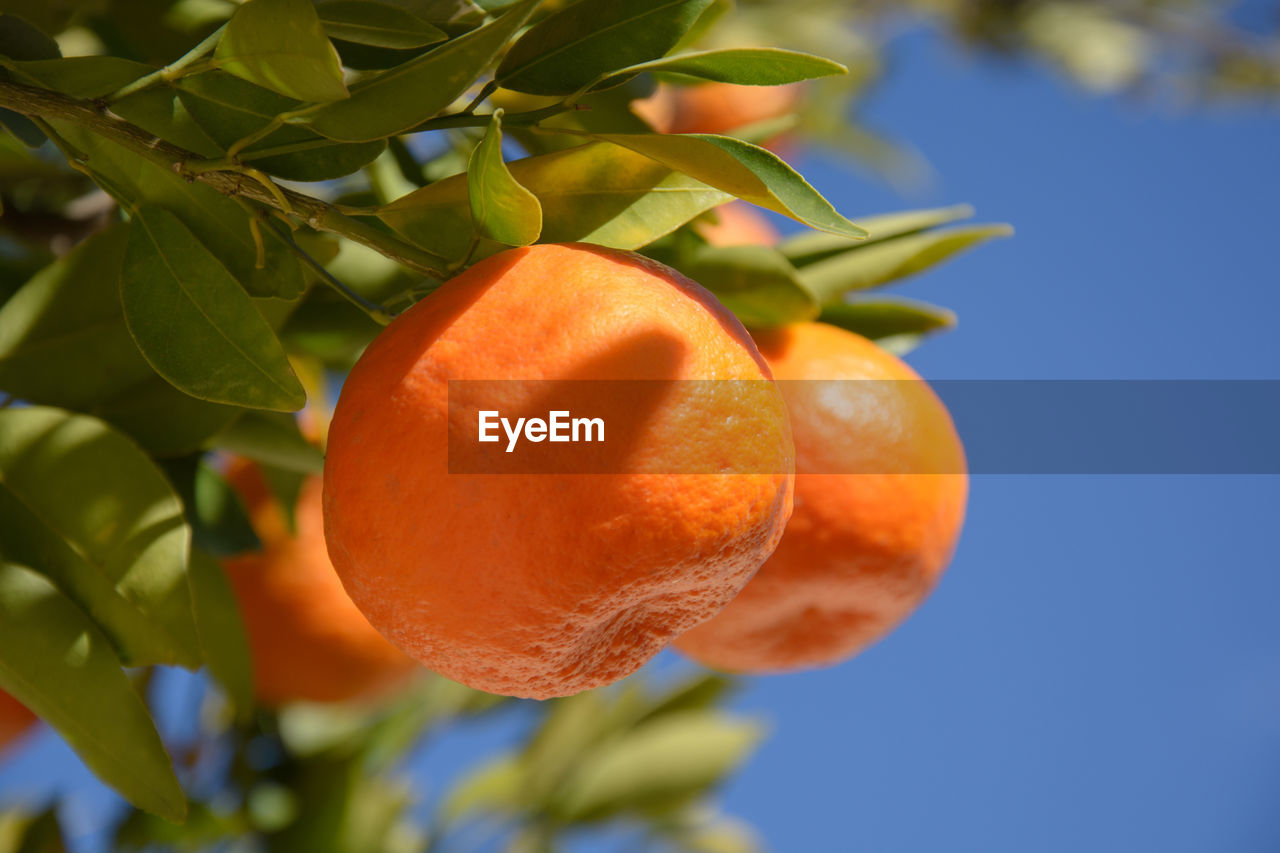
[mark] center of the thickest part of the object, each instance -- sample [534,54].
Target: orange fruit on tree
[716,107]
[881,486]
[15,719]
[541,583]
[738,224]
[307,640]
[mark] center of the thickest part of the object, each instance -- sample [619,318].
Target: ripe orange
[738,224]
[547,584]
[862,550]
[308,641]
[15,719]
[716,107]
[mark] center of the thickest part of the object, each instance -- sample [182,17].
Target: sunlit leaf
[281,44]
[57,663]
[763,66]
[811,246]
[884,317]
[221,631]
[494,788]
[194,323]
[119,549]
[501,209]
[754,282]
[576,45]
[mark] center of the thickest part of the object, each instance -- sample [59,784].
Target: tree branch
[49,105]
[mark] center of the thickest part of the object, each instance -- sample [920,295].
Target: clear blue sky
[1100,668]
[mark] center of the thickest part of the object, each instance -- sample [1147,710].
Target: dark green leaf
[754,282]
[885,317]
[741,169]
[83,76]
[21,40]
[501,209]
[764,66]
[219,523]
[597,193]
[58,664]
[31,833]
[221,631]
[119,549]
[377,24]
[808,247]
[407,95]
[891,260]
[274,440]
[22,128]
[663,762]
[194,323]
[281,44]
[586,40]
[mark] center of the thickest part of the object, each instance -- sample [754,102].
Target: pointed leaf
[583,41]
[765,66]
[221,631]
[119,549]
[885,317]
[597,193]
[754,282]
[891,260]
[739,168]
[22,40]
[397,100]
[501,208]
[194,323]
[494,788]
[377,24]
[281,44]
[808,247]
[58,664]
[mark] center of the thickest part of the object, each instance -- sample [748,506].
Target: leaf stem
[378,313]
[174,70]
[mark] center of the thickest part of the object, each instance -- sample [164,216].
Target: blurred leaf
[657,765]
[281,44]
[884,317]
[20,40]
[273,439]
[702,691]
[582,41]
[22,128]
[194,323]
[496,787]
[222,632]
[891,260]
[55,661]
[119,549]
[396,100]
[377,24]
[219,523]
[202,830]
[596,193]
[501,209]
[720,836]
[346,810]
[765,66]
[285,486]
[741,169]
[161,418]
[39,833]
[811,246]
[754,282]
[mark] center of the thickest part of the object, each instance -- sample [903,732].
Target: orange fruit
[15,719]
[862,550]
[307,640]
[546,584]
[738,224]
[716,107]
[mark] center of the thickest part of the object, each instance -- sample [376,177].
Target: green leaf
[501,209]
[22,128]
[765,66]
[399,99]
[741,169]
[281,44]
[273,439]
[806,248]
[221,631]
[219,222]
[662,763]
[377,24]
[891,260]
[754,282]
[494,788]
[21,40]
[219,523]
[583,41]
[702,691]
[23,833]
[229,109]
[119,549]
[886,317]
[58,664]
[597,193]
[194,323]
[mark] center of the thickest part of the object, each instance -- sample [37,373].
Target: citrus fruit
[716,107]
[738,224]
[15,719]
[307,640]
[546,583]
[862,550]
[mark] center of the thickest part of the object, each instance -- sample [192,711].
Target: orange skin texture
[862,550]
[738,224]
[541,585]
[308,641]
[15,719]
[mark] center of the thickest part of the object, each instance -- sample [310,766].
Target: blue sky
[1100,668]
